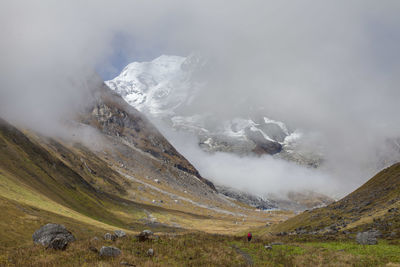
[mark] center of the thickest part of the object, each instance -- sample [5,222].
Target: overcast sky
[330,67]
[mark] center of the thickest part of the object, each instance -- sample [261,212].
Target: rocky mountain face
[247,198]
[115,118]
[166,87]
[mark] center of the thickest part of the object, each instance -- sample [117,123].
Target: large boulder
[54,236]
[367,238]
[109,251]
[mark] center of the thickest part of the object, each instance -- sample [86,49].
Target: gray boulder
[108,236]
[150,252]
[367,238]
[109,252]
[54,236]
[119,233]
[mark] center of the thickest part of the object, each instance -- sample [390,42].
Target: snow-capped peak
[156,87]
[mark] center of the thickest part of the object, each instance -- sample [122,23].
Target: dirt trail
[246,256]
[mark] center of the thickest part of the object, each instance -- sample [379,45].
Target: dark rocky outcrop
[54,236]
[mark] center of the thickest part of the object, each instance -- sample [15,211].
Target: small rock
[95,239]
[268,247]
[108,236]
[150,252]
[367,238]
[276,244]
[54,236]
[126,263]
[109,251]
[120,233]
[93,249]
[144,235]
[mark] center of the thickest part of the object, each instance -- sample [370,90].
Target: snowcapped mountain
[158,87]
[164,87]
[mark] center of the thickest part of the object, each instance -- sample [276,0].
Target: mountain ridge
[164,87]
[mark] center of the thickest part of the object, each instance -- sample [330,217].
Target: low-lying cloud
[257,175]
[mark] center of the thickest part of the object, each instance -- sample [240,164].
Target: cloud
[258,175]
[331,68]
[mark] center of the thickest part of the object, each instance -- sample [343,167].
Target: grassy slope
[367,207]
[33,178]
[72,183]
[33,168]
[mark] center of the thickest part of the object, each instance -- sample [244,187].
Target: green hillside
[375,205]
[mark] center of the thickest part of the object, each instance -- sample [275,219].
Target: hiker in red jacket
[249,236]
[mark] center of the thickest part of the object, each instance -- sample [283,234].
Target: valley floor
[201,249]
